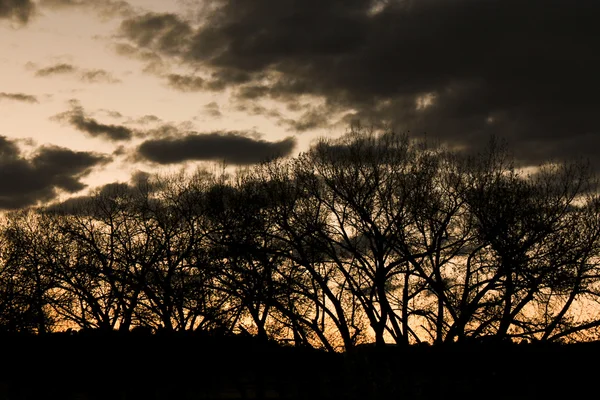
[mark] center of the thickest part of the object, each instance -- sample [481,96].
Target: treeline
[368,237]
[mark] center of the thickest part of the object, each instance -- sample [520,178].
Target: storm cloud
[232,147]
[19,10]
[51,169]
[459,70]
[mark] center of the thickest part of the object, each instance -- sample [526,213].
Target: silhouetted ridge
[99,364]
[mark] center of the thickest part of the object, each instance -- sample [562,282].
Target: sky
[94,92]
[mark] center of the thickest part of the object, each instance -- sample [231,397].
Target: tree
[370,236]
[26,282]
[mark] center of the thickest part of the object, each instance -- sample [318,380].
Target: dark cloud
[87,205]
[186,83]
[139,177]
[164,131]
[104,8]
[28,181]
[212,109]
[251,92]
[232,147]
[19,97]
[56,70]
[154,62]
[78,119]
[256,109]
[120,151]
[460,70]
[19,10]
[311,119]
[166,33]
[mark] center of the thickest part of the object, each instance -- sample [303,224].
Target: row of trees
[368,237]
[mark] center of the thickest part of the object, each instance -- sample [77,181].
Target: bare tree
[370,236]
[27,284]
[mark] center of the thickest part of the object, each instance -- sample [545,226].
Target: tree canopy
[371,237]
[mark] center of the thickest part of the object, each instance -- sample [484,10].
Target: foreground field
[192,367]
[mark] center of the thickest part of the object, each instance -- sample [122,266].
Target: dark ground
[196,367]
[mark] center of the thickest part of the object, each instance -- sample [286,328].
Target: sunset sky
[95,91]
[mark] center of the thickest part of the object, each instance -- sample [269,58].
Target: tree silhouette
[27,284]
[372,236]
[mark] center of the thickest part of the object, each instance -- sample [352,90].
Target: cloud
[252,91]
[186,83]
[166,33]
[154,62]
[27,181]
[148,119]
[85,75]
[26,98]
[232,147]
[78,119]
[19,10]
[212,109]
[164,131]
[310,120]
[104,8]
[86,205]
[120,151]
[256,109]
[112,113]
[56,70]
[460,70]
[98,76]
